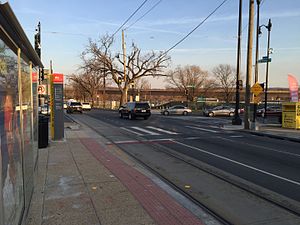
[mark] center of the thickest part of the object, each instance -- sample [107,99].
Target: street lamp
[237,120]
[256,55]
[269,27]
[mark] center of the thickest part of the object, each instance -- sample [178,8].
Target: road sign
[256,89]
[42,89]
[264,59]
[256,99]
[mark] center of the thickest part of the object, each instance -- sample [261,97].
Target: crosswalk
[148,130]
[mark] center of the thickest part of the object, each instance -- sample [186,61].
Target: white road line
[236,136]
[199,128]
[161,130]
[131,131]
[239,163]
[263,147]
[145,131]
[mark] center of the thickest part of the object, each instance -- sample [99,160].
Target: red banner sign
[58,78]
[34,77]
[293,84]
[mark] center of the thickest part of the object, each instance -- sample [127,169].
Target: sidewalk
[80,181]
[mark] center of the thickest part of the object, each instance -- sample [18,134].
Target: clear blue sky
[67,25]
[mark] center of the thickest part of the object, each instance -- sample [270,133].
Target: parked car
[176,109]
[86,106]
[219,111]
[275,110]
[74,107]
[133,110]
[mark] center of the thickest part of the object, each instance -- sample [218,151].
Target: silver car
[176,109]
[219,111]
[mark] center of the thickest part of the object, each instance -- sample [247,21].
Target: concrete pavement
[81,181]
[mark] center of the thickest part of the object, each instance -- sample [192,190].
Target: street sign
[264,59]
[256,89]
[256,99]
[42,89]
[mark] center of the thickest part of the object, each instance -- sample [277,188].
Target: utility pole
[124,62]
[267,67]
[256,56]
[249,64]
[237,120]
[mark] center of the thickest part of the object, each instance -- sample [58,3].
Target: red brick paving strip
[159,204]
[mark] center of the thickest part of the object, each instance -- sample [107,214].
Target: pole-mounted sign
[57,113]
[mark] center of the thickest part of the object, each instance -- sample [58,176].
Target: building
[19,64]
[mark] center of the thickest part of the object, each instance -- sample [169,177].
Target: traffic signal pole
[237,120]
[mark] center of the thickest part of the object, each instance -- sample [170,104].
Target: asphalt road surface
[268,163]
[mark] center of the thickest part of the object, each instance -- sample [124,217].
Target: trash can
[43,131]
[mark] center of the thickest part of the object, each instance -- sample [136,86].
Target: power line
[129,17]
[202,22]
[144,14]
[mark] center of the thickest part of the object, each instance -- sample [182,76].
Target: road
[268,167]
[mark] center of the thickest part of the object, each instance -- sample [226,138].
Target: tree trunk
[123,99]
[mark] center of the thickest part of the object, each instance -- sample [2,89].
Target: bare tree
[87,83]
[226,79]
[189,80]
[98,58]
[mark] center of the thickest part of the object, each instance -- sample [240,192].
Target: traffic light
[119,80]
[42,74]
[37,44]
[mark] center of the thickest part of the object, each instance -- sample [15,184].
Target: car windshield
[75,103]
[85,103]
[142,105]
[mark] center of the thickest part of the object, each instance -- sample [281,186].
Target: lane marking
[139,134]
[239,163]
[236,136]
[199,128]
[145,131]
[161,130]
[263,147]
[141,142]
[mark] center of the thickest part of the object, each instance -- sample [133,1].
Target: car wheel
[166,113]
[231,114]
[121,115]
[185,113]
[210,114]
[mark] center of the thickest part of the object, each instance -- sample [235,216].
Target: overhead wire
[156,4]
[202,22]
[129,17]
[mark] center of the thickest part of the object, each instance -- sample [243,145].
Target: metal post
[237,120]
[249,64]
[267,68]
[256,57]
[124,61]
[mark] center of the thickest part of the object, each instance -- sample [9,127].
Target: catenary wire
[156,4]
[202,22]
[129,17]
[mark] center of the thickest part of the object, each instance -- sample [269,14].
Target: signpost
[57,114]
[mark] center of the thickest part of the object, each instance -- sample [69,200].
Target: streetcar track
[168,151]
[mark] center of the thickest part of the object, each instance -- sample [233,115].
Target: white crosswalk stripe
[149,131]
[145,131]
[161,130]
[203,129]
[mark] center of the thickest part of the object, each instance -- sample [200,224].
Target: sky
[67,25]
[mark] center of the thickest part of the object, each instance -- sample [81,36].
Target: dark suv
[74,107]
[135,109]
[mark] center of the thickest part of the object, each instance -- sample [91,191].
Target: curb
[272,136]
